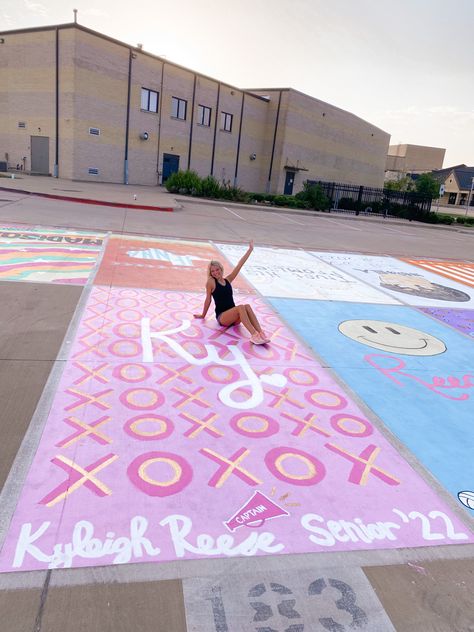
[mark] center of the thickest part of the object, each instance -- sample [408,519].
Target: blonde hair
[214,263]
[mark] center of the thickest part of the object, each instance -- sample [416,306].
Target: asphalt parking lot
[162,473]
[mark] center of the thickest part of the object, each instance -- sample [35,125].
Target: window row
[179,107]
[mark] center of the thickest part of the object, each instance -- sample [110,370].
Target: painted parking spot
[48,255]
[174,439]
[146,262]
[460,271]
[407,283]
[297,274]
[460,319]
[426,400]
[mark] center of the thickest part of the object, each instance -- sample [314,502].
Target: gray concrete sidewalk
[108,193]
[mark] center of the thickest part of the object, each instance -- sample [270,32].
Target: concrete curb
[66,198]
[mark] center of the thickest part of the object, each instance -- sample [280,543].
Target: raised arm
[210,286]
[237,268]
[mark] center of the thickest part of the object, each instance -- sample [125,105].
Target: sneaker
[264,337]
[257,339]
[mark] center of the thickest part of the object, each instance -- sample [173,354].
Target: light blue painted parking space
[427,401]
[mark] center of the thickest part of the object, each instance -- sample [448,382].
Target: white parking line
[289,219]
[233,213]
[333,221]
[401,232]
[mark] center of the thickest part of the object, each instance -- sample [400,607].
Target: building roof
[464,177]
[405,146]
[139,49]
[462,173]
[136,49]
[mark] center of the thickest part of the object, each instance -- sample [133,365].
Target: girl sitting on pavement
[227,312]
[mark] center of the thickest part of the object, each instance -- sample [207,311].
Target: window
[95,131]
[149,101]
[226,121]
[22,124]
[178,108]
[93,171]
[204,116]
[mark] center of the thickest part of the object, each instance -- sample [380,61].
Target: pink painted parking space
[170,438]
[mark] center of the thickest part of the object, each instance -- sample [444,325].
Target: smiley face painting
[392,337]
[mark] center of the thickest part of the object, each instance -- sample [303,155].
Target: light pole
[469,196]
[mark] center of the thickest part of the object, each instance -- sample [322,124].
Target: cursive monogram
[437,385]
[225,394]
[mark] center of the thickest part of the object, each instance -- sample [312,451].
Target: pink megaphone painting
[255,512]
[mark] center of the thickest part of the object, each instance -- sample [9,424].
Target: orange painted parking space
[460,271]
[160,264]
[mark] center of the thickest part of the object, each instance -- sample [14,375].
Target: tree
[426,184]
[404,184]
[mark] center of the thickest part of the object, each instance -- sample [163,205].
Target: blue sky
[405,66]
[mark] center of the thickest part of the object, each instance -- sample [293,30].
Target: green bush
[189,183]
[379,207]
[302,204]
[282,200]
[469,221]
[257,197]
[348,204]
[235,194]
[210,187]
[445,219]
[414,213]
[428,217]
[184,182]
[314,196]
[173,182]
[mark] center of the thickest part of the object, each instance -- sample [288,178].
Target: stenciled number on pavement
[264,613]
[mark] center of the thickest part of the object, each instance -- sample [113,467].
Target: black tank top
[223,297]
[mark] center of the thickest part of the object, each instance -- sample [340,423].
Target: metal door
[170,165]
[289,181]
[40,154]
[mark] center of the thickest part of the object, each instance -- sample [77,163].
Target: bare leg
[253,319]
[237,315]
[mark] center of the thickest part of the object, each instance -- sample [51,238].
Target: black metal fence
[360,198]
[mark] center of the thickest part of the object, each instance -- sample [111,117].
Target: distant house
[411,160]
[458,185]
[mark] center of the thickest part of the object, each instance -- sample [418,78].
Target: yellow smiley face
[392,337]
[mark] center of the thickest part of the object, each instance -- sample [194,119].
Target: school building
[82,106]
[410,160]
